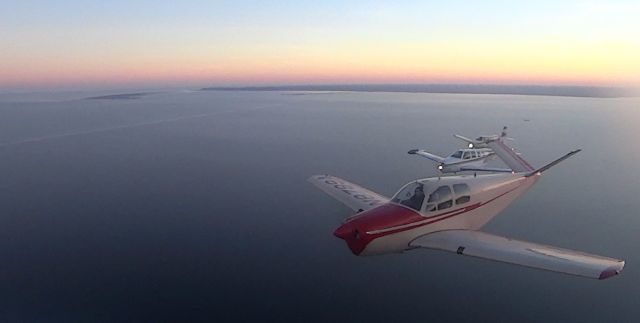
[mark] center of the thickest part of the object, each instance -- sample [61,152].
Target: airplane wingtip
[317,177]
[612,271]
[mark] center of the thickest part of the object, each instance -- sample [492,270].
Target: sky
[103,44]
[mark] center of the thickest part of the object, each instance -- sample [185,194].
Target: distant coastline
[570,91]
[121,96]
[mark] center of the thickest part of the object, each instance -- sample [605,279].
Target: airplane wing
[485,169]
[492,247]
[425,154]
[510,157]
[355,197]
[468,140]
[472,160]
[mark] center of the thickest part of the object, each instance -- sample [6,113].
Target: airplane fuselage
[465,158]
[391,227]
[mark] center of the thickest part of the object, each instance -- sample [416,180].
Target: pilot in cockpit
[415,202]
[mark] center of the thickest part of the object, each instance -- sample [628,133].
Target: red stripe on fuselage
[389,216]
[354,232]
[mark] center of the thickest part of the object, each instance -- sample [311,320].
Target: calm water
[195,205]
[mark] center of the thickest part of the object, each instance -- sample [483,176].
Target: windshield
[412,195]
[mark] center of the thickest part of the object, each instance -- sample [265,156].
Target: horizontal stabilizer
[553,163]
[463,138]
[493,247]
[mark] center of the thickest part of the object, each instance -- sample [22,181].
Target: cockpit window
[463,199]
[462,193]
[440,199]
[457,154]
[411,196]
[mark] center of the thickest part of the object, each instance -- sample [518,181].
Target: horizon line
[451,88]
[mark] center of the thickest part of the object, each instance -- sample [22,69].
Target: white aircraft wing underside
[492,247]
[355,197]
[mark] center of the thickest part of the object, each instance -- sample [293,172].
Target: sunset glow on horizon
[72,44]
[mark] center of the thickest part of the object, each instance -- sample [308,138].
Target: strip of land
[571,91]
[121,96]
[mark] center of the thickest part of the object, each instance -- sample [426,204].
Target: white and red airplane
[445,213]
[461,160]
[474,158]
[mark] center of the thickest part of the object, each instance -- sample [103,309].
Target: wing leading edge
[354,196]
[493,247]
[426,154]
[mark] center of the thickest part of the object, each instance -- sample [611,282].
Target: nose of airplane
[355,239]
[344,231]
